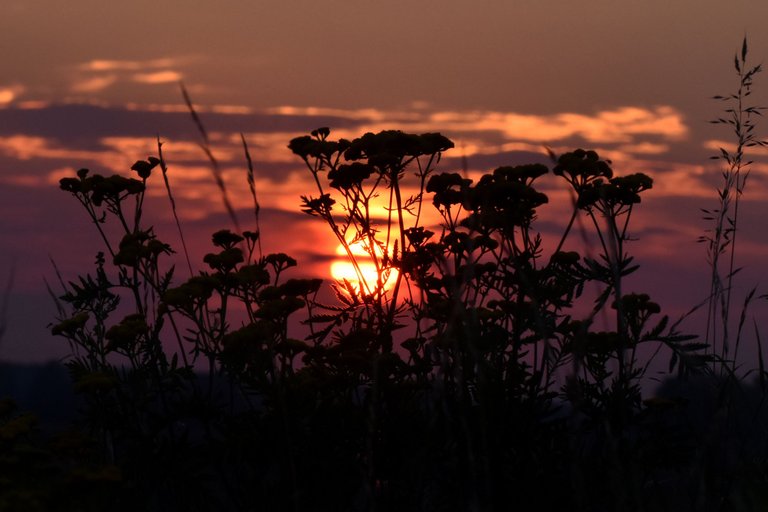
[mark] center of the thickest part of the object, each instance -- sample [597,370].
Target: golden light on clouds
[609,126]
[645,148]
[10,93]
[621,134]
[519,132]
[715,145]
[94,84]
[368,114]
[97,75]
[125,65]
[32,105]
[26,147]
[132,147]
[6,96]
[490,132]
[158,77]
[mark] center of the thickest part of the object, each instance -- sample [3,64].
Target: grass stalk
[721,238]
[205,145]
[172,201]
[252,187]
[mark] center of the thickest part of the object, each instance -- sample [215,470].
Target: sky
[93,84]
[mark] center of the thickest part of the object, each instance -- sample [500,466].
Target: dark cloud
[79,126]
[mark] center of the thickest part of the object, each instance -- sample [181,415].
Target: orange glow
[94,84]
[8,94]
[126,65]
[620,125]
[158,77]
[343,269]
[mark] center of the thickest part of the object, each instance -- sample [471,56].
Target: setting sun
[343,268]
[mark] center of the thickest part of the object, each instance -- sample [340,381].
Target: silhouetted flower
[319,206]
[191,294]
[70,326]
[226,239]
[125,334]
[306,146]
[280,260]
[449,189]
[137,246]
[226,260]
[581,167]
[144,167]
[346,176]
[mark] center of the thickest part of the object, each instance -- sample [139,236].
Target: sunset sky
[92,84]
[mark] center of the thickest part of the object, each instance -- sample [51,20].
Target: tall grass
[739,116]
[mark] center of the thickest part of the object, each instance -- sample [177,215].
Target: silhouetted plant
[146,405]
[459,359]
[489,326]
[720,239]
[457,377]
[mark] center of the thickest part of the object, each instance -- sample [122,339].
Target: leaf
[319,335]
[673,361]
[629,270]
[692,347]
[656,331]
[677,338]
[760,360]
[341,295]
[320,318]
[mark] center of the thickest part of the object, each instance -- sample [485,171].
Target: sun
[342,269]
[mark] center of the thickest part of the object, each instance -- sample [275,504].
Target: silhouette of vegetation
[720,239]
[460,377]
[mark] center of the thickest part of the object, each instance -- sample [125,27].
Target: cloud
[158,77]
[111,138]
[94,84]
[369,114]
[626,133]
[645,148]
[22,147]
[635,139]
[48,152]
[126,65]
[6,96]
[10,93]
[620,125]
[97,75]
[716,145]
